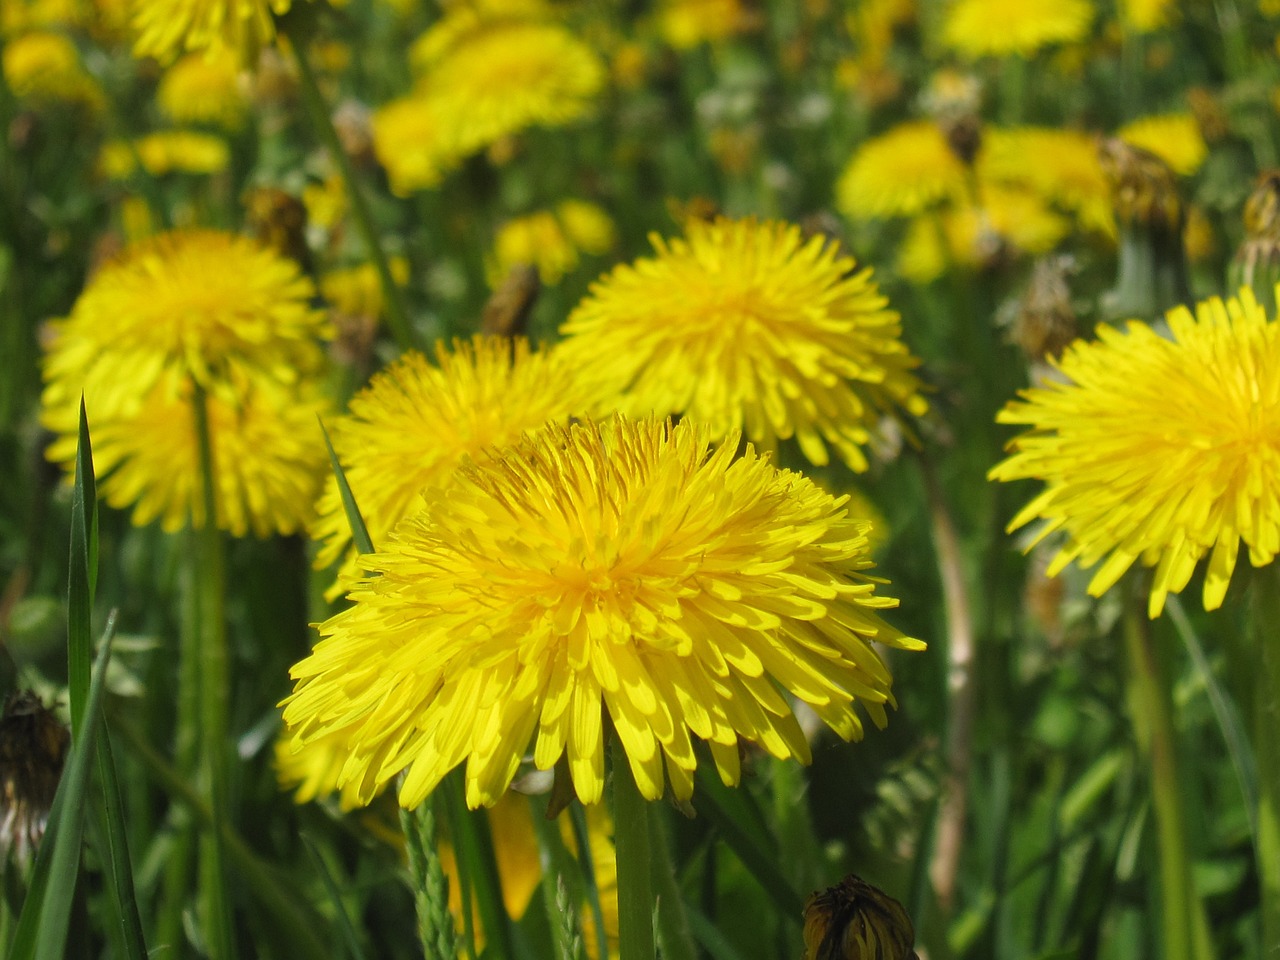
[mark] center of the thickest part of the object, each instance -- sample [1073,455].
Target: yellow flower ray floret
[620,567]
[749,327]
[1159,450]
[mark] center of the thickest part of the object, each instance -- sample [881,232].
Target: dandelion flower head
[900,173]
[1174,137]
[621,567]
[685,24]
[415,422]
[749,327]
[1158,450]
[164,152]
[1000,28]
[551,240]
[1062,166]
[204,88]
[167,28]
[45,66]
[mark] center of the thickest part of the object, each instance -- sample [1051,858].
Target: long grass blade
[81,578]
[114,837]
[359,532]
[335,896]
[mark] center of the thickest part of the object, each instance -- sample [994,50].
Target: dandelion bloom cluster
[204,88]
[416,421]
[1062,166]
[181,310]
[621,567]
[551,240]
[749,326]
[1173,137]
[1159,450]
[900,173]
[1000,28]
[44,66]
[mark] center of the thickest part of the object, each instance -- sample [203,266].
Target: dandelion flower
[620,567]
[749,327]
[1000,28]
[202,302]
[42,66]
[685,24]
[900,173]
[166,28]
[268,453]
[1159,450]
[1175,138]
[551,240]
[415,422]
[408,142]
[1144,16]
[163,152]
[1062,166]
[204,88]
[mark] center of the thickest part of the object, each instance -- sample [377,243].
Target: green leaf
[335,895]
[81,578]
[359,532]
[42,926]
[113,837]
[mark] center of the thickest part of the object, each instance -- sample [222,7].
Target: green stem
[673,921]
[397,315]
[1266,607]
[211,583]
[631,842]
[430,887]
[1186,928]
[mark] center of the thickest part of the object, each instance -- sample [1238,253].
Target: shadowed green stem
[1185,926]
[1265,610]
[211,585]
[631,841]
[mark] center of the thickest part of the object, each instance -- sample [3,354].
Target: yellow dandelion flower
[871,26]
[167,28]
[44,66]
[1000,28]
[164,152]
[1144,16]
[408,142]
[415,422]
[204,88]
[326,202]
[749,327]
[1159,449]
[512,76]
[685,24]
[1009,220]
[311,771]
[464,21]
[1175,138]
[1062,166]
[357,291]
[200,302]
[268,453]
[622,567]
[900,173]
[551,240]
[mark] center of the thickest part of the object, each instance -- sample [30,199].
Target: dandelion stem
[211,583]
[631,841]
[1185,925]
[397,315]
[1266,607]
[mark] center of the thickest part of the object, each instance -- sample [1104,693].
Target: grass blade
[114,854]
[81,578]
[359,532]
[340,911]
[43,924]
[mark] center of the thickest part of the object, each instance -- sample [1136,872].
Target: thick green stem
[673,921]
[1185,926]
[631,843]
[211,584]
[1266,607]
[397,315]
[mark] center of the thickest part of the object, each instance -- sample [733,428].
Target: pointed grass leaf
[43,924]
[335,896]
[113,837]
[81,578]
[359,532]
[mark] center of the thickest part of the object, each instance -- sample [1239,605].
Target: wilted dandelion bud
[1152,275]
[1044,321]
[33,745]
[1257,262]
[279,220]
[855,921]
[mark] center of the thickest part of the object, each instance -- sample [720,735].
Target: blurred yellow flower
[1174,137]
[622,566]
[900,173]
[1158,449]
[551,240]
[356,291]
[1144,16]
[1010,220]
[167,28]
[204,88]
[19,16]
[871,25]
[1062,166]
[1000,28]
[166,151]
[408,141]
[751,327]
[415,423]
[44,67]
[268,453]
[686,23]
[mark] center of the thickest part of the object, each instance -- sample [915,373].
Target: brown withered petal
[33,745]
[856,921]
